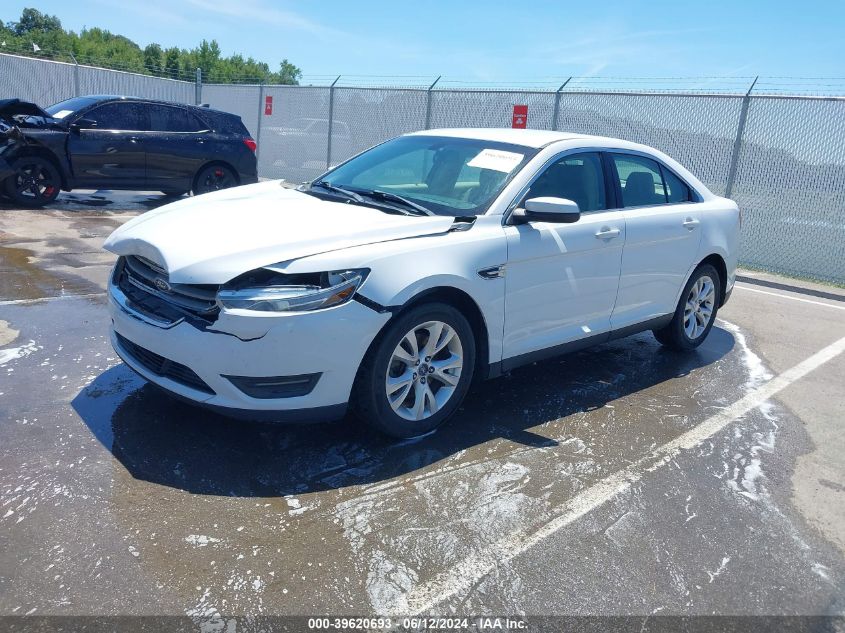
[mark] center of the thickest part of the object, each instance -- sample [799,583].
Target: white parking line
[469,571]
[16,302]
[782,296]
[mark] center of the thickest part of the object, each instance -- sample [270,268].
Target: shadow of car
[170,443]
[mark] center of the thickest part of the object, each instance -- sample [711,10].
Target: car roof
[105,98]
[528,138]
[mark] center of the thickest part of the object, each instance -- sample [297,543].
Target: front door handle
[606,233]
[691,223]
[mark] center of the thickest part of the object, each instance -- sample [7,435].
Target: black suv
[108,142]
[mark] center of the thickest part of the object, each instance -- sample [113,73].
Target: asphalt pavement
[626,479]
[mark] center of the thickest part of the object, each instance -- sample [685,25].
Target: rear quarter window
[676,189]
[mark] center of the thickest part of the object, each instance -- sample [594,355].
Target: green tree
[289,74]
[171,62]
[153,59]
[99,47]
[33,21]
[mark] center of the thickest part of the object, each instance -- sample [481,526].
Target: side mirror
[82,124]
[548,209]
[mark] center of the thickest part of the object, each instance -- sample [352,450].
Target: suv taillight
[251,144]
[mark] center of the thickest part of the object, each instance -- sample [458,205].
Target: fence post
[331,123]
[260,117]
[75,75]
[740,129]
[557,104]
[198,91]
[428,103]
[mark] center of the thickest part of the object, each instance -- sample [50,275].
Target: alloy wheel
[424,370]
[34,182]
[698,310]
[215,179]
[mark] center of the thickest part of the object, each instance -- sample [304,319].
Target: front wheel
[34,183]
[214,178]
[696,311]
[416,376]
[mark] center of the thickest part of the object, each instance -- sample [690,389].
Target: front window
[576,177]
[119,115]
[446,176]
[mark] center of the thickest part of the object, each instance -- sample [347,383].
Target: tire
[214,178]
[393,357]
[35,183]
[696,311]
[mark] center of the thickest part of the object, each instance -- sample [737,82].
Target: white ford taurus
[392,281]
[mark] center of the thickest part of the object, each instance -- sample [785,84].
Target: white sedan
[394,280]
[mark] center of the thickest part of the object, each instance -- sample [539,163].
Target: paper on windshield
[496,159]
[61,114]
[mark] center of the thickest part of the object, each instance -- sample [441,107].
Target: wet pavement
[605,482]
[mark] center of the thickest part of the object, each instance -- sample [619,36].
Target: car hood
[14,107]
[215,237]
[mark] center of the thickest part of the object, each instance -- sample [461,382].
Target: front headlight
[269,291]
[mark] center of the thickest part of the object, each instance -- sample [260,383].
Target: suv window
[119,116]
[172,119]
[577,177]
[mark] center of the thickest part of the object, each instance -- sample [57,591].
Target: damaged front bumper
[296,367]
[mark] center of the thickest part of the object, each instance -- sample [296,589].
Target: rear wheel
[417,375]
[696,311]
[214,178]
[36,182]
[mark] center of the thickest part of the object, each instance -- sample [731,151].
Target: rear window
[224,122]
[676,189]
[165,118]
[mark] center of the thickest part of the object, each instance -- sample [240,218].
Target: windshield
[65,108]
[447,176]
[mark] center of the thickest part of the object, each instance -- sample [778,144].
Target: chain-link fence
[782,158]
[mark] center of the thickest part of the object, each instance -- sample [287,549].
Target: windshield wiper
[344,192]
[392,197]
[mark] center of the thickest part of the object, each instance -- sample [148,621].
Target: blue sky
[490,41]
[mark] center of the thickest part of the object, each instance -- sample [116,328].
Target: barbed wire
[823,86]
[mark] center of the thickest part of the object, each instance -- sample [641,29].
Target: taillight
[251,144]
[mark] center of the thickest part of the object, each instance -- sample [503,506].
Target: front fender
[401,270]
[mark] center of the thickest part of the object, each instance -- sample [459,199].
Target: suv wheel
[417,374]
[696,311]
[214,178]
[36,182]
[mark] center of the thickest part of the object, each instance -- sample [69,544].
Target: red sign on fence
[268,105]
[520,117]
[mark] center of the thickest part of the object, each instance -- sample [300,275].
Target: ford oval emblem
[162,285]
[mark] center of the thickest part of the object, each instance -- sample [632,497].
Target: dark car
[108,142]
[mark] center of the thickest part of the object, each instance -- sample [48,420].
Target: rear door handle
[133,139]
[691,223]
[607,233]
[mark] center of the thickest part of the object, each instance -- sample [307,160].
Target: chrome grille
[137,277]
